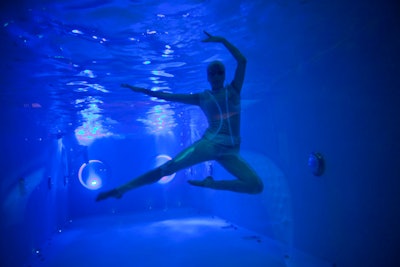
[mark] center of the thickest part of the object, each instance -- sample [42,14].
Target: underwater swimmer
[221,140]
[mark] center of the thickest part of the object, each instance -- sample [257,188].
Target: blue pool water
[321,78]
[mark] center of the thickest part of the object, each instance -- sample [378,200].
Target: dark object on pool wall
[49,183]
[316,163]
[22,186]
[66,180]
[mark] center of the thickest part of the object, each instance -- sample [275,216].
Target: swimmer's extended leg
[147,178]
[198,152]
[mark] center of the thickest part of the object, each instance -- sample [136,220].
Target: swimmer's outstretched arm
[193,99]
[239,57]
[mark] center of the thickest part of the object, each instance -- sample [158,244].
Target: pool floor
[173,238]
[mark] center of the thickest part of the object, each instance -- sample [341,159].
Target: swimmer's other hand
[133,88]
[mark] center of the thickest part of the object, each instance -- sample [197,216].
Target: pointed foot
[207,182]
[107,194]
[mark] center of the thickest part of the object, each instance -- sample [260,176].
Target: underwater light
[161,159]
[92,173]
[94,183]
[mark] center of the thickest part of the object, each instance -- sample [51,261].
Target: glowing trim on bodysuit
[220,115]
[229,117]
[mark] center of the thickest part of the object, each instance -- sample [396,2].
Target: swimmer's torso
[222,109]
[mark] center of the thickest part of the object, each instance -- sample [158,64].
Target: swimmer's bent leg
[247,179]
